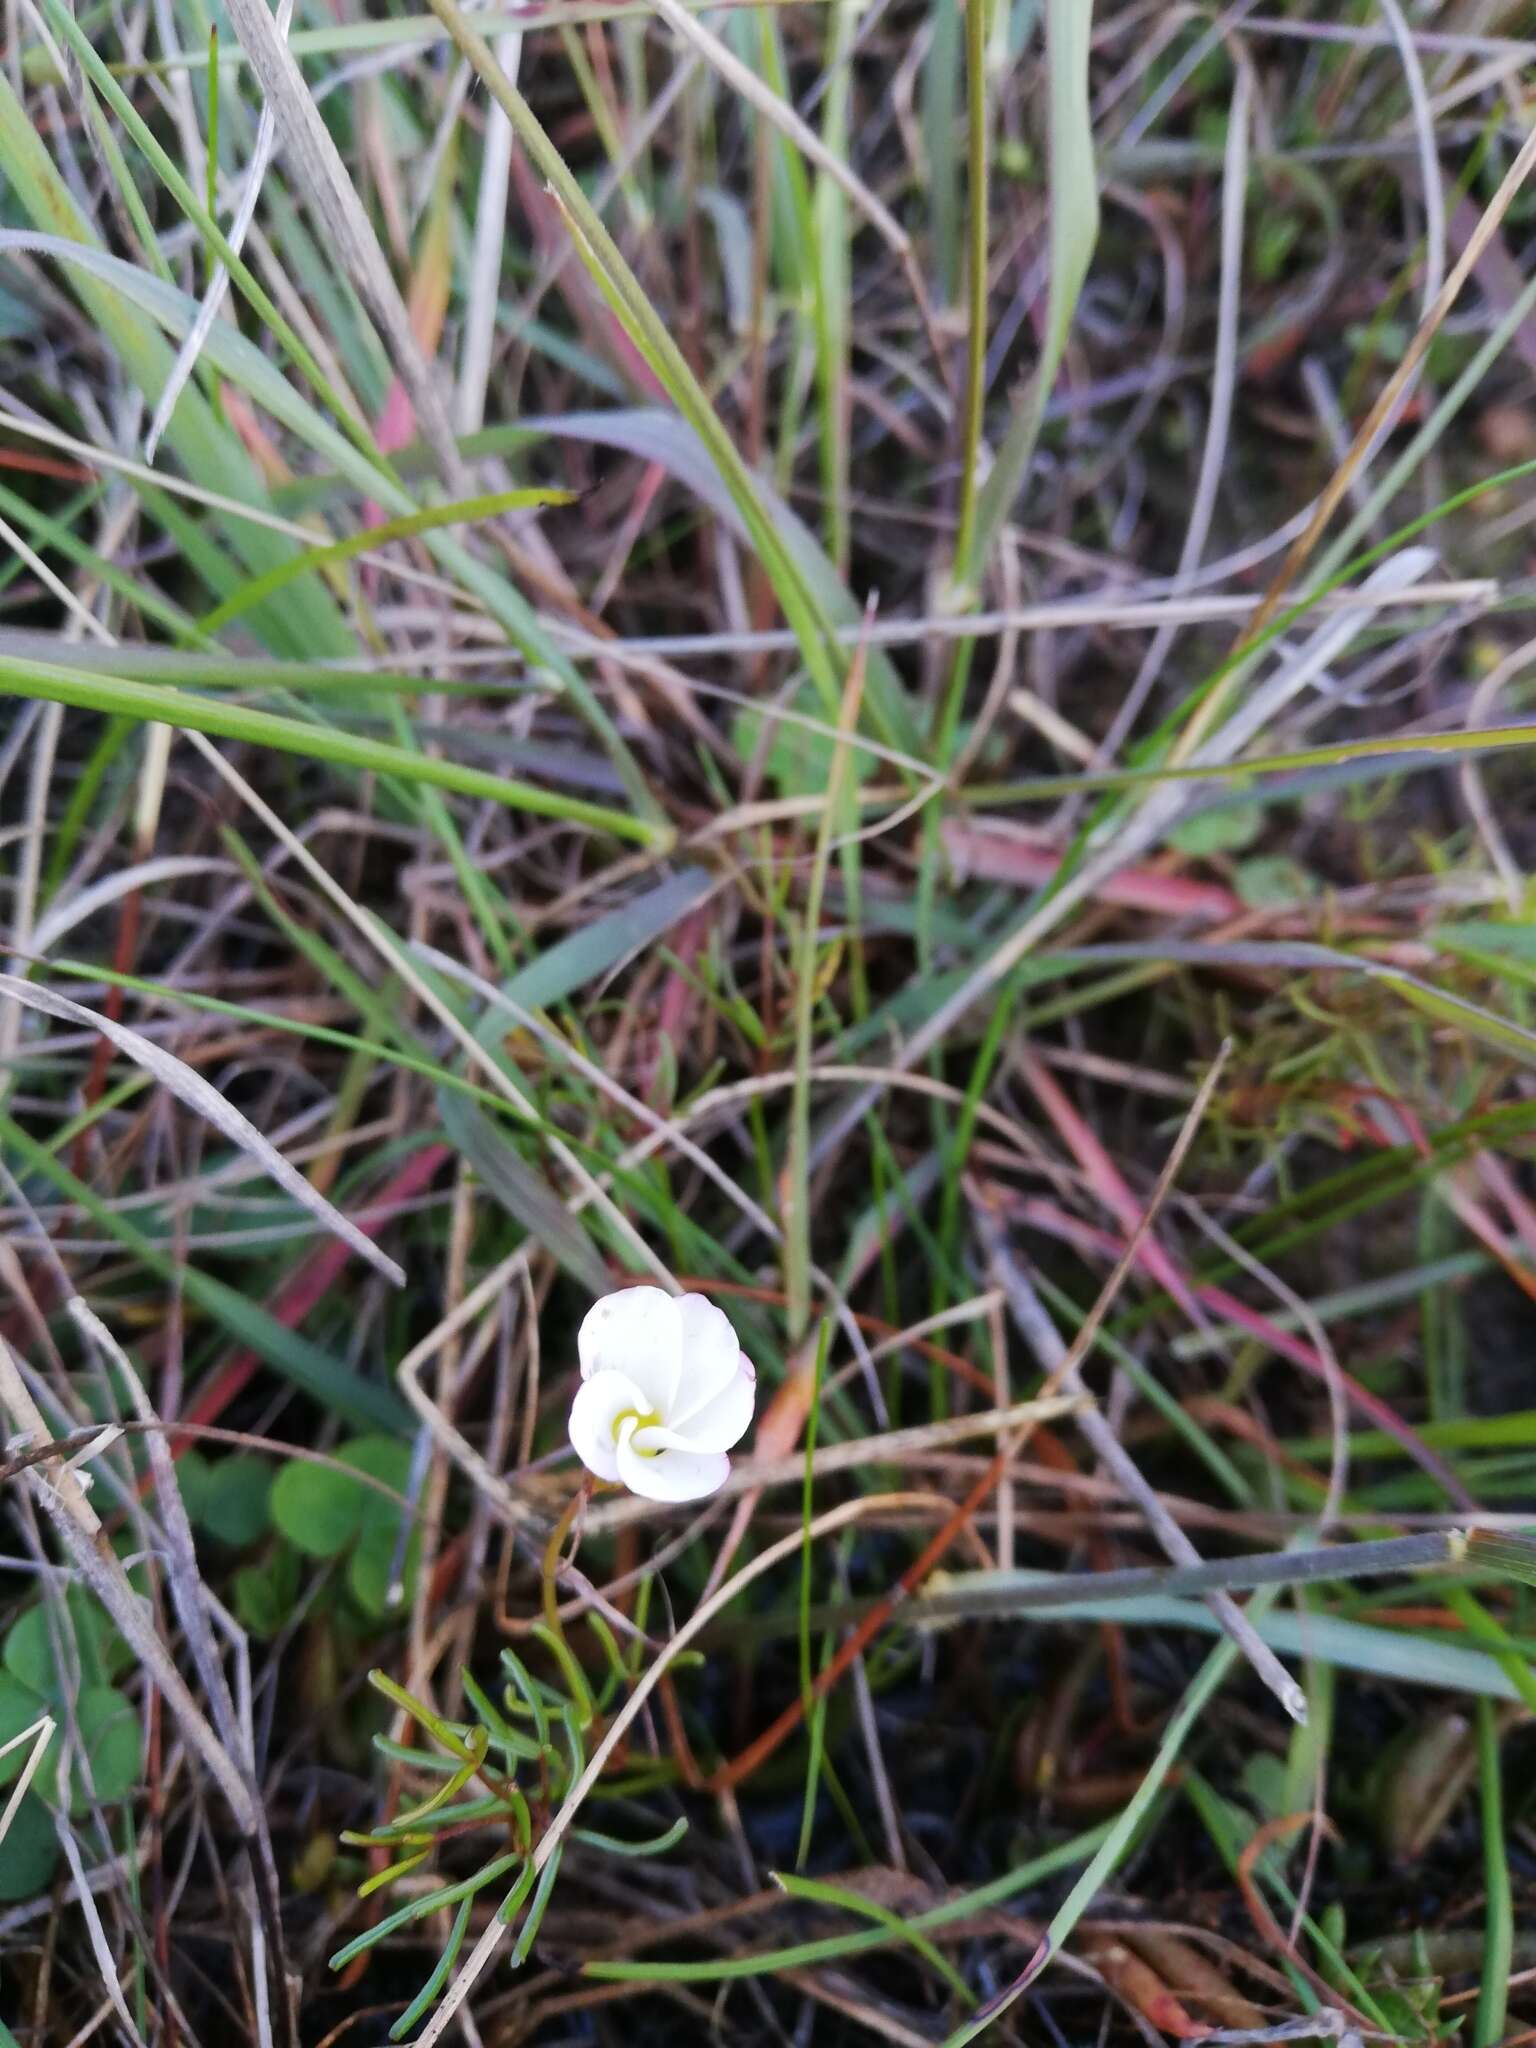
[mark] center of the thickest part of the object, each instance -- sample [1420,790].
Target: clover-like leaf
[237,1507]
[29,1852]
[317,1508]
[114,1747]
[82,1636]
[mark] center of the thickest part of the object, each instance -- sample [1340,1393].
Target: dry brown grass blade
[1371,427]
[60,1495]
[1063,1370]
[744,81]
[892,1446]
[317,171]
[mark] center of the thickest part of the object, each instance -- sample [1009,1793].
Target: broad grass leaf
[521,1190]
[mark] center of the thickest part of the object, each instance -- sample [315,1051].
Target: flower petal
[636,1332]
[670,1475]
[595,1412]
[712,1357]
[720,1423]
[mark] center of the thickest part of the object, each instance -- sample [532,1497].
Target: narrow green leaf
[310,626]
[427,1995]
[522,1191]
[615,1845]
[582,1707]
[462,512]
[1074,229]
[120,697]
[416,1909]
[840,1947]
[1499,1939]
[823,1894]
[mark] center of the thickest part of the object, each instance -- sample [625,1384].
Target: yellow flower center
[640,1421]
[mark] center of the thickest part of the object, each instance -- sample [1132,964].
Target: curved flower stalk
[666,1391]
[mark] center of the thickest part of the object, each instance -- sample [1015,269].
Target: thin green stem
[1498,1951]
[976,281]
[807,1555]
[211,162]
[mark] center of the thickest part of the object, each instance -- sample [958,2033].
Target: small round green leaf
[388,1460]
[44,1649]
[318,1510]
[194,1478]
[265,1592]
[237,1509]
[83,1634]
[20,1709]
[1218,831]
[371,1565]
[322,1511]
[110,1730]
[28,1654]
[1271,879]
[29,1852]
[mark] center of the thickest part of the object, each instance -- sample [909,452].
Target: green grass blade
[525,1195]
[309,625]
[1074,191]
[650,334]
[201,214]
[807,1559]
[1208,1682]
[1498,1954]
[940,110]
[463,512]
[831,290]
[118,696]
[239,359]
[840,1947]
[822,1894]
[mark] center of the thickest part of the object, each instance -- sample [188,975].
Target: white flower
[665,1392]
